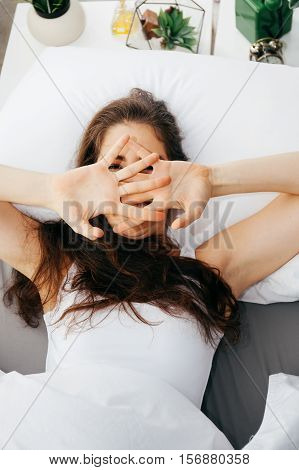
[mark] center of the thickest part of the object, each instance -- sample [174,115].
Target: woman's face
[146,136]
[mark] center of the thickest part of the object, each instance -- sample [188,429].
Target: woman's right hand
[190,189]
[83,193]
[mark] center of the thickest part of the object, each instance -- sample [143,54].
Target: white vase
[57,31]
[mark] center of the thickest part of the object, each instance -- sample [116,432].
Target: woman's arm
[277,173]
[192,184]
[19,245]
[26,187]
[76,195]
[250,250]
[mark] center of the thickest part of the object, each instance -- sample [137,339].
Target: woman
[110,269]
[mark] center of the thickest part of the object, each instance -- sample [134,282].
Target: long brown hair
[116,271]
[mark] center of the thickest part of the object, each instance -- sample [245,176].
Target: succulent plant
[175,30]
[48,7]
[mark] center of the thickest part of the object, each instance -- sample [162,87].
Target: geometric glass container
[145,17]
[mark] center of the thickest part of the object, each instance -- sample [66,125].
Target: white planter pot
[57,31]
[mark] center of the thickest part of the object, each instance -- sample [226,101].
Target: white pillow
[227,110]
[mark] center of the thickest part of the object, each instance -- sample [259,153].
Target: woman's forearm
[25,187]
[277,173]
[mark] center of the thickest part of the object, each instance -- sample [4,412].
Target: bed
[236,392]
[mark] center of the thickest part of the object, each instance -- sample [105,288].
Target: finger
[136,233]
[159,204]
[128,225]
[188,217]
[118,219]
[137,167]
[144,185]
[138,148]
[137,198]
[136,236]
[180,222]
[146,196]
[142,213]
[90,232]
[114,220]
[115,150]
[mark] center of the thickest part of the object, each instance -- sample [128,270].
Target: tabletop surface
[23,49]
[231,43]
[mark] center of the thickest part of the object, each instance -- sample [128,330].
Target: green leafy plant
[175,30]
[48,7]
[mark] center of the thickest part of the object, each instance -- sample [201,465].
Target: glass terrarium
[170,25]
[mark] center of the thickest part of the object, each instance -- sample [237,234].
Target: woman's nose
[132,157]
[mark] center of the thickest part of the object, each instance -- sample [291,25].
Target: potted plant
[175,30]
[170,27]
[56,22]
[165,24]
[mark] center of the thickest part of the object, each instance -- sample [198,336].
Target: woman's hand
[190,189]
[84,193]
[134,228]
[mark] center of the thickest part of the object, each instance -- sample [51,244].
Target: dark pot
[57,13]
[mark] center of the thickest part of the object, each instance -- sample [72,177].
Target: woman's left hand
[190,189]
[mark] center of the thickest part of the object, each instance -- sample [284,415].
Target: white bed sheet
[280,426]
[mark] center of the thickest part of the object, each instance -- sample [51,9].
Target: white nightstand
[231,43]
[23,50]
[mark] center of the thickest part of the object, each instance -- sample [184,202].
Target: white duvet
[107,407]
[100,407]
